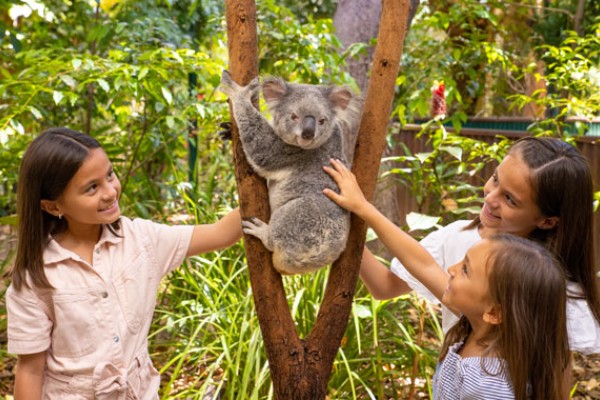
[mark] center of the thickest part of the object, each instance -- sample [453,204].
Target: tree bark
[300,368]
[357,21]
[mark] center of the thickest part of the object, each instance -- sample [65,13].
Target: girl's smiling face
[509,200]
[468,289]
[91,196]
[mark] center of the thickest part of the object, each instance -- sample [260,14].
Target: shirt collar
[55,253]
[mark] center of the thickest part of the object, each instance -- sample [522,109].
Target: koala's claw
[228,86]
[231,89]
[254,86]
[225,132]
[259,229]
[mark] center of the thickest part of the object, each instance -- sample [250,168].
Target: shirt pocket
[136,291]
[76,325]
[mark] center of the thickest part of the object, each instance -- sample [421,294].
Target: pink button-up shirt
[94,323]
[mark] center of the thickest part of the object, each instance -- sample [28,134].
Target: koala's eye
[322,121]
[295,117]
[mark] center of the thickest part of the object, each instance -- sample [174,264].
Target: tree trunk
[357,21]
[300,368]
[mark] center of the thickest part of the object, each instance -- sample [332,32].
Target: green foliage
[141,77]
[453,45]
[443,180]
[573,80]
[298,51]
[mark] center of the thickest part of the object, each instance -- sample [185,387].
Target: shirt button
[97,251]
[104,295]
[116,339]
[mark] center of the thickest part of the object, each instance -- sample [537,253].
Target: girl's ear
[50,207]
[493,316]
[548,223]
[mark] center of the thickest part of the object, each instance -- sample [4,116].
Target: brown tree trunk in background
[357,21]
[300,368]
[577,24]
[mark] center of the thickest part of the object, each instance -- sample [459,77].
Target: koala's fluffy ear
[274,89]
[340,97]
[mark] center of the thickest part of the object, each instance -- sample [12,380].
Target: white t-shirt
[449,245]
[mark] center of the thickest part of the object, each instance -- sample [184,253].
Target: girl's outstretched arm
[223,233]
[29,376]
[382,283]
[406,249]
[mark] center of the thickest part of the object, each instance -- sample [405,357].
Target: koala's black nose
[309,124]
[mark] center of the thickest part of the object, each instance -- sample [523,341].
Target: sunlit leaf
[36,113]
[416,221]
[167,94]
[57,96]
[104,85]
[69,81]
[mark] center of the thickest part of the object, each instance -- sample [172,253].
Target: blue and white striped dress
[458,378]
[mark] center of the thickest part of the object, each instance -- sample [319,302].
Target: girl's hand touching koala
[351,196]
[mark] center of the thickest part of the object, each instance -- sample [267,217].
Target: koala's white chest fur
[278,194]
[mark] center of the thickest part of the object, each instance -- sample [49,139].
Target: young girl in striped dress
[510,294]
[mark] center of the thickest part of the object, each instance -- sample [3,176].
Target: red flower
[438,101]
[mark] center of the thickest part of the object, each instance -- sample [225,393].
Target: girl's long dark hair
[48,165]
[527,283]
[561,180]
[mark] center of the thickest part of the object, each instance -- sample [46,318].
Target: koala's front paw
[259,229]
[228,86]
[234,91]
[252,89]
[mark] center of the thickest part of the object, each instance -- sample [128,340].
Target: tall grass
[207,341]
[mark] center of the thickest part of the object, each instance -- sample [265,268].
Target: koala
[306,230]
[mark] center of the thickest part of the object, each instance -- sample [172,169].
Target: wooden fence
[588,145]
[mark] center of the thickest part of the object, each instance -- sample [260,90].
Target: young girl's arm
[382,283]
[29,376]
[221,234]
[406,249]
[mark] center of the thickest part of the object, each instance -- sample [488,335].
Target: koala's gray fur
[307,230]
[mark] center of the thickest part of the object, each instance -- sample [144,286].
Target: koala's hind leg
[259,229]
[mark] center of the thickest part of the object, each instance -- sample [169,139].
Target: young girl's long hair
[528,284]
[561,180]
[48,165]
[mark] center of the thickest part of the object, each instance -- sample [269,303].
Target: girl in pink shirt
[85,278]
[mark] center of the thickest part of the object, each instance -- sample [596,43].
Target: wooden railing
[588,145]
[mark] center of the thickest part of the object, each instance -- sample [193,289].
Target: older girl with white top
[543,191]
[509,293]
[85,278]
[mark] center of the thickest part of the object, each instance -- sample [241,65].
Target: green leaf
[454,151]
[371,235]
[9,220]
[76,62]
[170,122]
[361,311]
[201,110]
[143,73]
[68,80]
[104,85]
[57,96]
[36,113]
[422,157]
[416,221]
[167,95]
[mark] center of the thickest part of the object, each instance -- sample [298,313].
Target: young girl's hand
[351,197]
